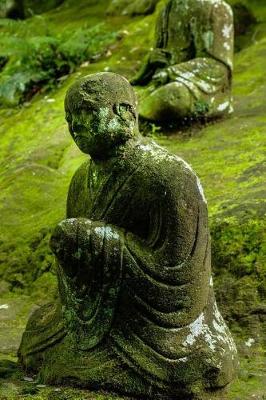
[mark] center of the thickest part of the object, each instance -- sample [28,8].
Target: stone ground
[38,160]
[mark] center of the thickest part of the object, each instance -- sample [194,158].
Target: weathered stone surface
[136,311]
[189,72]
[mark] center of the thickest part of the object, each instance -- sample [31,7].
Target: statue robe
[135,273]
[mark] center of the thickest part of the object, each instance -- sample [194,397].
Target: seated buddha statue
[136,312]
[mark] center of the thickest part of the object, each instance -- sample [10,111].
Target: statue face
[82,127]
[97,130]
[101,113]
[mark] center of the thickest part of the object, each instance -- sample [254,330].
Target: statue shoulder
[169,173]
[80,173]
[161,162]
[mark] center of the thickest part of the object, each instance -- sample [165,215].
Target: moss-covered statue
[136,311]
[189,72]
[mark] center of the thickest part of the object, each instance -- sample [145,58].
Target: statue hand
[159,58]
[69,243]
[144,75]
[160,78]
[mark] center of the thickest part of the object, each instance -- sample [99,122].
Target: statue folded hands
[136,312]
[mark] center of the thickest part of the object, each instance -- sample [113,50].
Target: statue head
[101,112]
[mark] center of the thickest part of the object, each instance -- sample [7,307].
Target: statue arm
[218,37]
[198,87]
[172,224]
[89,255]
[140,7]
[165,272]
[173,217]
[199,69]
[77,196]
[144,74]
[157,58]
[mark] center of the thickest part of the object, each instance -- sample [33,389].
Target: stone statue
[136,312]
[189,72]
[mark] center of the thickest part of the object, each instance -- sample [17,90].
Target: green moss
[238,246]
[11,391]
[238,249]
[251,381]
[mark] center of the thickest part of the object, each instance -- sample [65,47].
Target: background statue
[136,310]
[189,72]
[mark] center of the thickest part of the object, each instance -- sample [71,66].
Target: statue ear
[125,111]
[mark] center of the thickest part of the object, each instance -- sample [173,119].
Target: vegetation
[31,63]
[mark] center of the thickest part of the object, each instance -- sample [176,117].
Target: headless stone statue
[189,72]
[136,312]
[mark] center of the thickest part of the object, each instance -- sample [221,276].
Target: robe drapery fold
[161,218]
[134,275]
